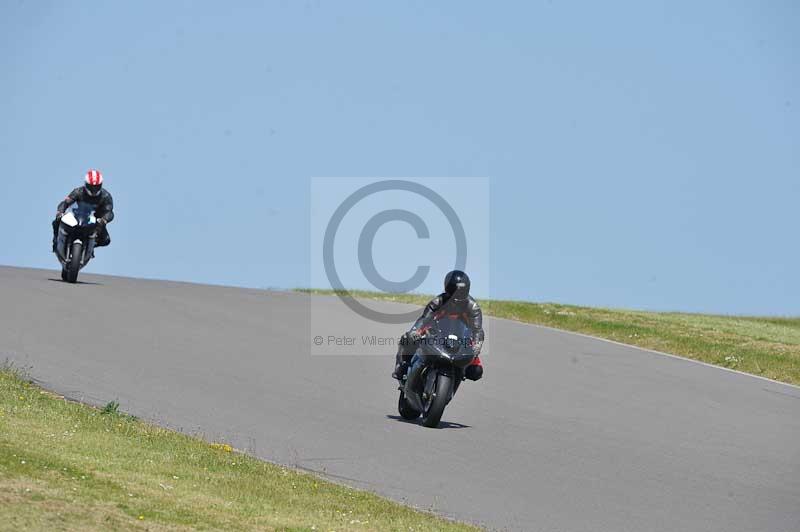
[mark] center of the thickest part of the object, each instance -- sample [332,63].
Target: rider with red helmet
[92,193]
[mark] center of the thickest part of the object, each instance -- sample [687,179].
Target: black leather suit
[103,205]
[468,310]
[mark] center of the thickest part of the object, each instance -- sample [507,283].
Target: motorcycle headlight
[452,344]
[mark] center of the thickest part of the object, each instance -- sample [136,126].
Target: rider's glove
[477,346]
[101,221]
[414,336]
[59,215]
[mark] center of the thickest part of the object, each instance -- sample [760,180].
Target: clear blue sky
[641,154]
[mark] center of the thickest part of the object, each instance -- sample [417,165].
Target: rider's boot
[55,234]
[400,370]
[405,351]
[402,361]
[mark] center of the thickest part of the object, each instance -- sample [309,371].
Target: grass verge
[769,347]
[67,466]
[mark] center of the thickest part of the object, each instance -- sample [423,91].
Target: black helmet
[456,285]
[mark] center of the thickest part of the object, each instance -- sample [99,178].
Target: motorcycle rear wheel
[405,409]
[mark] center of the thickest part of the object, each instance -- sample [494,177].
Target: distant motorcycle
[436,370]
[77,234]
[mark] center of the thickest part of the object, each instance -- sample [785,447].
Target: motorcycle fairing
[79,221]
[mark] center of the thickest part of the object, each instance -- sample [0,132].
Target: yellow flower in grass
[222,447]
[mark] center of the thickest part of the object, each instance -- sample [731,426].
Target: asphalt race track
[564,433]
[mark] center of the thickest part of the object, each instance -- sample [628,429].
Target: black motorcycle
[77,234]
[436,370]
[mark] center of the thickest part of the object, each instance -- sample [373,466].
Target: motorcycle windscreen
[84,213]
[455,331]
[448,327]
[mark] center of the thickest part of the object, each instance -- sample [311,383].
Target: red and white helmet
[94,182]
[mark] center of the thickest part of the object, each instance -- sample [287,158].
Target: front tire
[435,407]
[74,264]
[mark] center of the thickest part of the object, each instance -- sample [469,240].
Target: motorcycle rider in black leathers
[92,193]
[454,300]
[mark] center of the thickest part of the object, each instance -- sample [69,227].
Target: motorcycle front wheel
[434,406]
[74,264]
